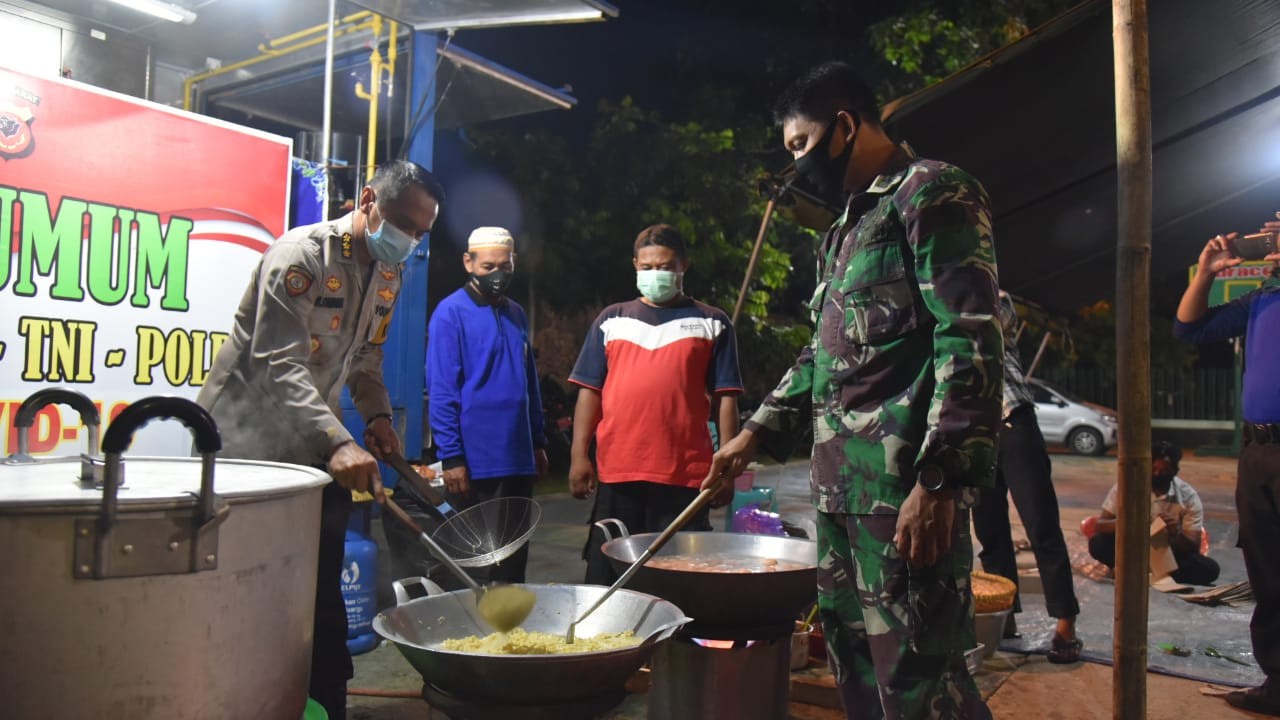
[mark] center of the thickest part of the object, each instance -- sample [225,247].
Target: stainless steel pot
[148,595]
[721,599]
[417,627]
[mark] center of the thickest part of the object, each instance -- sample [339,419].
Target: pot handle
[25,418]
[210,513]
[198,420]
[401,588]
[120,436]
[609,525]
[665,630]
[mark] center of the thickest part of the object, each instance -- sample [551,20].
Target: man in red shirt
[651,373]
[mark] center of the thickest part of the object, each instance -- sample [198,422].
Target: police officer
[313,319]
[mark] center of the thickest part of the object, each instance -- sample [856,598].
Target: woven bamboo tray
[992,593]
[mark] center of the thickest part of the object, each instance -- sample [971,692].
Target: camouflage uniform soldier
[903,376]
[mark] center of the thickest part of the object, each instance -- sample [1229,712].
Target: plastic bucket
[314,711]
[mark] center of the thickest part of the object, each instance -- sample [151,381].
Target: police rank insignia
[296,281]
[387,294]
[346,245]
[333,284]
[388,274]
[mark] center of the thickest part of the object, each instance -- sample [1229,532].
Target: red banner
[133,229]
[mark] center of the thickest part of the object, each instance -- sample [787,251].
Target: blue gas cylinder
[359,582]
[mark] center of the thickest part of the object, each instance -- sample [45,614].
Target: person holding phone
[1255,316]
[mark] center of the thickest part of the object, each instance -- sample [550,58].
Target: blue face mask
[389,243]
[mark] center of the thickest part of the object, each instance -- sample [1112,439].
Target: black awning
[1035,122]
[458,14]
[474,90]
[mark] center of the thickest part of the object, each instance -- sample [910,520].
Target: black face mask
[494,284]
[1160,484]
[825,174]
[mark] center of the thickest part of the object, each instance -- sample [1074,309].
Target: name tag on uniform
[378,329]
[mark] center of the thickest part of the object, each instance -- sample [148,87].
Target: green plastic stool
[314,711]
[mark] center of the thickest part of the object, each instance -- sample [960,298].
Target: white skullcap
[490,237]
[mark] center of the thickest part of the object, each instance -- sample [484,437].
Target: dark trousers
[1258,504]
[330,660]
[1024,471]
[643,507]
[1193,568]
[410,558]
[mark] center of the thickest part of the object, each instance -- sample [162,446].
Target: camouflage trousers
[896,635]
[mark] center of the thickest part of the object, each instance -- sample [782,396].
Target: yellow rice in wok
[523,642]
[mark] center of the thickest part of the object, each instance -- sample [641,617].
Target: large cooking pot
[147,595]
[417,627]
[721,599]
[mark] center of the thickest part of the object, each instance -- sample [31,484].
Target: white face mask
[389,243]
[658,286]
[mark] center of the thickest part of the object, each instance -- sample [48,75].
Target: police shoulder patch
[297,281]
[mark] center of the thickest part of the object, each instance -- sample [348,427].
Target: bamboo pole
[1133,356]
[1035,362]
[755,258]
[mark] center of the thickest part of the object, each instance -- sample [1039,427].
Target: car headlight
[1109,419]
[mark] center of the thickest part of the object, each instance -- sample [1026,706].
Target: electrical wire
[416,120]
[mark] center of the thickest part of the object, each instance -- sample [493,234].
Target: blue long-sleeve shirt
[484,406]
[1257,317]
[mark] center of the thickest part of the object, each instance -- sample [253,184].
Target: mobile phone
[1254,247]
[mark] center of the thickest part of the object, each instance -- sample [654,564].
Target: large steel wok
[722,599]
[417,627]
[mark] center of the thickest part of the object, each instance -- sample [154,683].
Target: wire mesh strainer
[488,532]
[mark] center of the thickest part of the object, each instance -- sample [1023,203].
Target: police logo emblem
[16,139]
[333,283]
[297,281]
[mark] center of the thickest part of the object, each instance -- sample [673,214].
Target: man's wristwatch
[933,479]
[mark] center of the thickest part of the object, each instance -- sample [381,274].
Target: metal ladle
[503,607]
[681,520]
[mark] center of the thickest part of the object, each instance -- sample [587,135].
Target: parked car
[1085,428]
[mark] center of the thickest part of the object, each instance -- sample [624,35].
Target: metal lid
[149,483]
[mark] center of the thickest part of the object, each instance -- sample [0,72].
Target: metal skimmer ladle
[504,607]
[681,520]
[420,485]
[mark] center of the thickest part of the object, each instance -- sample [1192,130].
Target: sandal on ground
[1065,652]
[1255,699]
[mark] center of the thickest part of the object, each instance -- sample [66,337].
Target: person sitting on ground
[1178,505]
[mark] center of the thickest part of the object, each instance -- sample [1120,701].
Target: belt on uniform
[1262,434]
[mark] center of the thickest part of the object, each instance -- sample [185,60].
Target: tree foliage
[586,203]
[696,165]
[930,40]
